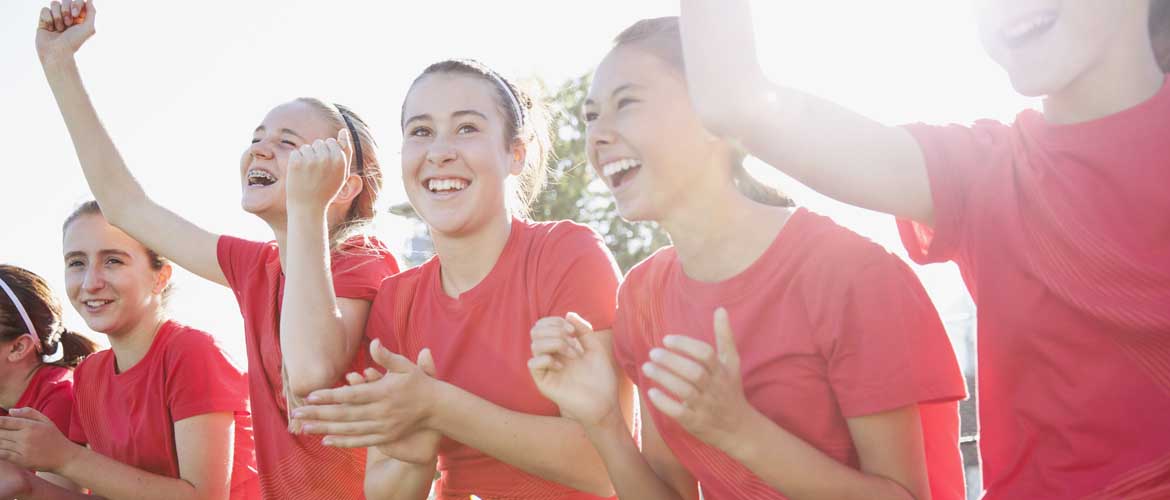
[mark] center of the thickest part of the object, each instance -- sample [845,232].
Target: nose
[439,153]
[261,149]
[93,281]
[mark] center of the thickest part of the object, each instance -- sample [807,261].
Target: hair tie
[32,331]
[57,355]
[357,141]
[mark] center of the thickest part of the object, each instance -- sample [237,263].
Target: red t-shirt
[828,326]
[50,391]
[130,416]
[481,340]
[295,466]
[1062,235]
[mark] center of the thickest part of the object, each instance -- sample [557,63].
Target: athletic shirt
[130,416]
[296,466]
[1062,235]
[481,341]
[828,326]
[50,391]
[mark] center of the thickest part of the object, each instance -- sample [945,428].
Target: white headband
[32,331]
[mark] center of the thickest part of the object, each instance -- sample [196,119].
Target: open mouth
[95,305]
[1027,29]
[259,177]
[621,171]
[446,185]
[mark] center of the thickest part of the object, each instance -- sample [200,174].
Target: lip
[1028,27]
[102,305]
[249,185]
[445,195]
[608,179]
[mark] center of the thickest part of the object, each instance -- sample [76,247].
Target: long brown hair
[44,310]
[661,38]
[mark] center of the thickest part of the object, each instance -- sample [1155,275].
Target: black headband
[357,141]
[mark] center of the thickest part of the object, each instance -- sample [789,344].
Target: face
[454,161]
[644,138]
[262,168]
[108,276]
[1044,45]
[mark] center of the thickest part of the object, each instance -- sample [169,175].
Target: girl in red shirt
[36,371]
[164,411]
[1056,221]
[304,298]
[469,134]
[777,354]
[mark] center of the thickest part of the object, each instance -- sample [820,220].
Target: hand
[63,27]
[706,391]
[421,447]
[317,172]
[377,413]
[30,440]
[14,480]
[573,367]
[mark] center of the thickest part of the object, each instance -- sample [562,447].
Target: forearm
[38,488]
[110,478]
[390,479]
[313,342]
[109,179]
[800,471]
[553,448]
[631,475]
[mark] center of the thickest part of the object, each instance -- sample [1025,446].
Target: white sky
[181,85]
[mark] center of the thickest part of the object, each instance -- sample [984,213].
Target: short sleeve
[58,406]
[887,349]
[578,274]
[76,432]
[957,159]
[237,257]
[626,334]
[380,322]
[359,267]
[201,378]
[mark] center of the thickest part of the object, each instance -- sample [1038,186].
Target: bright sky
[181,85]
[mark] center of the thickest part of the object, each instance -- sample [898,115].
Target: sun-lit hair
[1160,32]
[44,310]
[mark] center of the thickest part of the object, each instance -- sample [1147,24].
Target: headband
[51,358]
[517,109]
[357,141]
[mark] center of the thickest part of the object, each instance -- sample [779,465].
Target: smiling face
[110,277]
[644,138]
[263,166]
[456,158]
[1045,45]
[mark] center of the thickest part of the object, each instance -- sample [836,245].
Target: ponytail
[75,347]
[1160,32]
[757,191]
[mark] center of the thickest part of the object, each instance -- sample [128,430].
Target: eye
[590,116]
[419,132]
[467,129]
[289,143]
[254,141]
[114,261]
[626,101]
[74,263]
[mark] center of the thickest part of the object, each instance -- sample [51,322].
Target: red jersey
[295,466]
[828,325]
[130,416]
[1062,235]
[49,391]
[481,341]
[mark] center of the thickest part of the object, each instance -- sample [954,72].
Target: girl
[1057,223]
[469,134]
[164,410]
[304,297]
[826,372]
[39,354]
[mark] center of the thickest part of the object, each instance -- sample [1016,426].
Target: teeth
[438,185]
[612,168]
[1028,26]
[97,303]
[260,176]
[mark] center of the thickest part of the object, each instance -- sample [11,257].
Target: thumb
[427,362]
[89,12]
[393,363]
[30,413]
[580,326]
[725,341]
[345,141]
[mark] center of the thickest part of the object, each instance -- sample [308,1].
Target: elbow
[303,380]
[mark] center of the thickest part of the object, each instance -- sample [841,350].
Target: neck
[465,260]
[14,386]
[1127,75]
[130,347]
[720,233]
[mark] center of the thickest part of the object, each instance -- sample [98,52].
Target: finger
[321,151]
[307,155]
[552,331]
[553,323]
[359,428]
[88,12]
[345,142]
[356,441]
[345,395]
[46,19]
[580,326]
[426,362]
[74,8]
[67,12]
[725,341]
[554,346]
[392,362]
[336,412]
[336,157]
[666,404]
[13,423]
[30,414]
[697,349]
[373,375]
[295,159]
[676,385]
[58,21]
[544,363]
[681,365]
[354,378]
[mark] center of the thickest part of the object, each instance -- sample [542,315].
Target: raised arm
[123,201]
[831,149]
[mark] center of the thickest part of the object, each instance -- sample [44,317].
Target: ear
[163,278]
[519,154]
[350,190]
[20,349]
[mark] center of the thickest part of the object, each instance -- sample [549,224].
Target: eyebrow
[462,112]
[620,89]
[288,131]
[110,251]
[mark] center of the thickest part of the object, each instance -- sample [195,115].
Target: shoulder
[364,252]
[563,234]
[829,249]
[649,274]
[184,342]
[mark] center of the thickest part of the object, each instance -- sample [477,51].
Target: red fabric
[481,341]
[828,326]
[130,416]
[49,391]
[1062,237]
[295,466]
